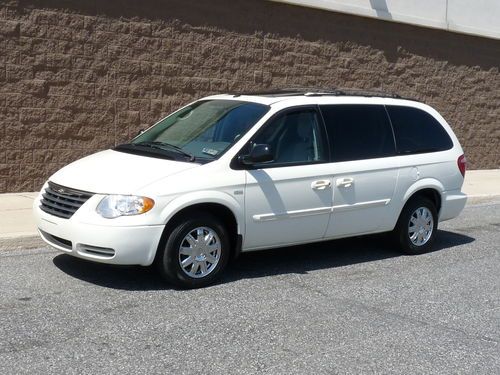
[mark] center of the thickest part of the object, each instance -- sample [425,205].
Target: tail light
[462,164]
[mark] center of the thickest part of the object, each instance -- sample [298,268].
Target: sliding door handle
[321,184]
[345,182]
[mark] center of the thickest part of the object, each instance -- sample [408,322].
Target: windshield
[205,129]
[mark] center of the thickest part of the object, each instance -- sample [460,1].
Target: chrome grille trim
[62,201]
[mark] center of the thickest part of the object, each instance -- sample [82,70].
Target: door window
[294,137]
[358,132]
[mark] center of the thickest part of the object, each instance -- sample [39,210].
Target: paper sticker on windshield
[210,151]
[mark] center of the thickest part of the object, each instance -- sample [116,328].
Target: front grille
[62,201]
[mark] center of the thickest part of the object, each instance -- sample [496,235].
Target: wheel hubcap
[199,252]
[420,226]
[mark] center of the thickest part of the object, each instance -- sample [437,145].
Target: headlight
[113,206]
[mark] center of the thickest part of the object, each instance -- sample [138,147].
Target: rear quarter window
[416,131]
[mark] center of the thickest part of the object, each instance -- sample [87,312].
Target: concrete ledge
[455,16]
[482,183]
[16,218]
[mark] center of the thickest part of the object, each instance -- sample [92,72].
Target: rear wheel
[417,225]
[196,251]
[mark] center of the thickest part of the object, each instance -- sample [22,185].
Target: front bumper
[125,245]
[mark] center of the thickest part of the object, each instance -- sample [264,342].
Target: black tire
[401,232]
[168,260]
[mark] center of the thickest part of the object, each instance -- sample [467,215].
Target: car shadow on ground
[295,259]
[330,254]
[111,276]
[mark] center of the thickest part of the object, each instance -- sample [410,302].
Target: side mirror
[260,153]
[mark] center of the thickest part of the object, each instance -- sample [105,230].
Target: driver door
[289,199]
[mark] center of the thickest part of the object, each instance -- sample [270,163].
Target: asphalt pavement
[348,306]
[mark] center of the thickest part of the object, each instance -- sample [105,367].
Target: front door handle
[345,182]
[321,184]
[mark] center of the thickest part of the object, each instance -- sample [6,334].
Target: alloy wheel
[420,226]
[199,252]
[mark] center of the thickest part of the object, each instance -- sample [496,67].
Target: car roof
[315,96]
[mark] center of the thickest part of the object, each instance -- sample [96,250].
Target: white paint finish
[273,206]
[113,172]
[285,205]
[453,203]
[478,17]
[132,245]
[363,206]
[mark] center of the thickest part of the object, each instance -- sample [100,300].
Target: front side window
[358,131]
[417,131]
[294,138]
[201,131]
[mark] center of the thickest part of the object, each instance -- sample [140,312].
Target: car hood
[114,172]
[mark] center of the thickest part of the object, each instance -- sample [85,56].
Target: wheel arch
[221,205]
[431,189]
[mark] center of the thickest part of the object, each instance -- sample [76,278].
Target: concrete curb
[21,242]
[480,199]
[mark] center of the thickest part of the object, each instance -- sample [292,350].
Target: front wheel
[417,226]
[196,251]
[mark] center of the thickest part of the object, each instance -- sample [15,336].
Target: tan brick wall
[80,76]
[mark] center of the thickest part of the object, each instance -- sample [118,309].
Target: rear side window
[417,131]
[358,132]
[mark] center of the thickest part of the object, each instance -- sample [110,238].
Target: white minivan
[243,172]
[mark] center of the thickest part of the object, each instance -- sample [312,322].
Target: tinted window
[205,128]
[294,137]
[358,132]
[417,131]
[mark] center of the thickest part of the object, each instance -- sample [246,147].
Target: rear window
[417,131]
[358,132]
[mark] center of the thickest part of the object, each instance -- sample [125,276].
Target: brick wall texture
[81,76]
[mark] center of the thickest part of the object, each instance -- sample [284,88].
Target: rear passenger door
[364,166]
[422,143]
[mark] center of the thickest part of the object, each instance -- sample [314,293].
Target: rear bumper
[126,245]
[453,202]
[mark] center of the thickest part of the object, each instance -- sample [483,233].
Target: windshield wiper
[166,146]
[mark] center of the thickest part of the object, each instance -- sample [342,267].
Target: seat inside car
[296,142]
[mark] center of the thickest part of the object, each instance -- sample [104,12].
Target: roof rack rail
[271,92]
[370,93]
[315,91]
